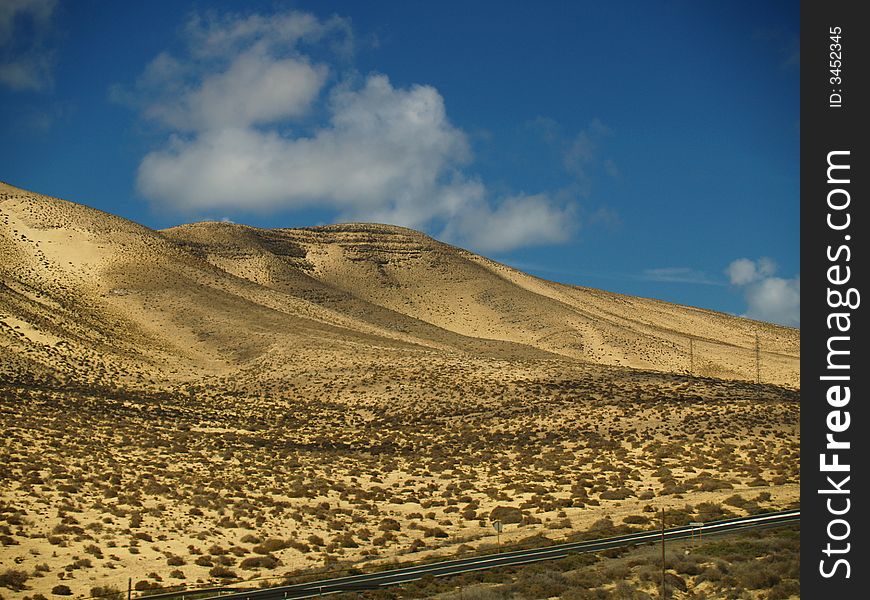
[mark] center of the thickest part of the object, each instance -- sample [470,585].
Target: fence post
[664,592]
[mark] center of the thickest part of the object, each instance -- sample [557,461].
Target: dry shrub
[203,561]
[143,585]
[636,520]
[271,545]
[389,525]
[107,593]
[222,572]
[506,514]
[13,579]
[259,562]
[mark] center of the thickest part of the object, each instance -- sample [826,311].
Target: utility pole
[700,526]
[757,360]
[691,357]
[663,554]
[129,588]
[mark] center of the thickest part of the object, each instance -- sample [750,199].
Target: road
[517,557]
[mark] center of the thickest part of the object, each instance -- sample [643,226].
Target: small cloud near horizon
[768,298]
[679,275]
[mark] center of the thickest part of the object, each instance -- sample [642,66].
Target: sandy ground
[217,401]
[344,467]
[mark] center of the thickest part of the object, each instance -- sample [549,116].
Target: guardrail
[456,566]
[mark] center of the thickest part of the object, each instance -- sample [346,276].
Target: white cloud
[768,298]
[679,275]
[380,152]
[25,62]
[775,299]
[237,71]
[220,35]
[743,270]
[255,88]
[518,221]
[383,148]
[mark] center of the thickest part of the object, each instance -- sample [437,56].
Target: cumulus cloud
[744,271]
[255,88]
[517,221]
[382,149]
[26,62]
[216,35]
[768,298]
[237,107]
[775,299]
[235,72]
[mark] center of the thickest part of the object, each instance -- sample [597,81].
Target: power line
[691,356]
[757,360]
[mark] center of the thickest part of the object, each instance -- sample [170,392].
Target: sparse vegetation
[693,571]
[305,426]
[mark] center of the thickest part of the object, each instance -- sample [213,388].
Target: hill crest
[219,297]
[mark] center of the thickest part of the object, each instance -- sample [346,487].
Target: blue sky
[648,148]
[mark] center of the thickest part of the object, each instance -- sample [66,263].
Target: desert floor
[355,463]
[215,402]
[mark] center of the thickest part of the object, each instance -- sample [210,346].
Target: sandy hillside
[213,296]
[216,402]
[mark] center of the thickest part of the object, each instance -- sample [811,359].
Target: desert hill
[214,297]
[217,402]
